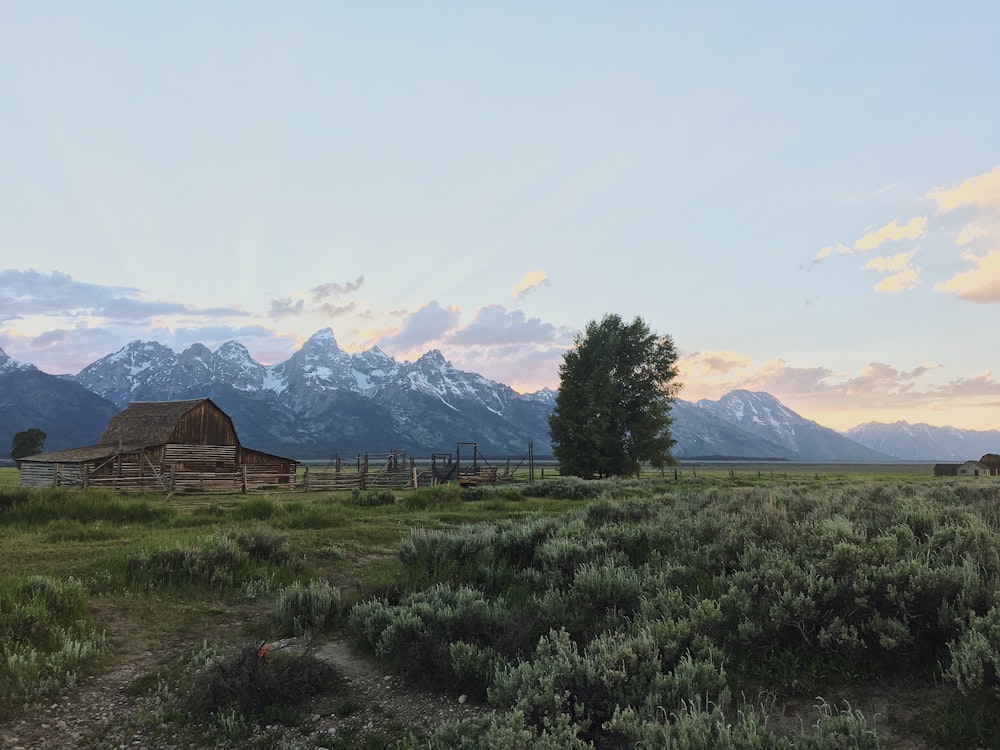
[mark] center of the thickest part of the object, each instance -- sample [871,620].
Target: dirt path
[99,713]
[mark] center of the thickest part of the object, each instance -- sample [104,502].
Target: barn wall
[204,456]
[39,474]
[205,424]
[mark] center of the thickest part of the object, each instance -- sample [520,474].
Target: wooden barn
[166,446]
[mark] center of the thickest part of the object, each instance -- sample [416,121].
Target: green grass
[163,575]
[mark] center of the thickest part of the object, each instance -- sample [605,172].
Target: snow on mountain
[234,365]
[321,396]
[924,442]
[321,399]
[765,417]
[759,414]
[9,364]
[544,396]
[131,373]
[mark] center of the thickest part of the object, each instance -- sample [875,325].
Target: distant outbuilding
[163,445]
[973,469]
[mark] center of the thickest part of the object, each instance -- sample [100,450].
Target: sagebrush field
[700,612]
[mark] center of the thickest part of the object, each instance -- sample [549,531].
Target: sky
[804,196]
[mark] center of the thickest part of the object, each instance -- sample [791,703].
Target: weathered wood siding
[201,456]
[206,424]
[35,474]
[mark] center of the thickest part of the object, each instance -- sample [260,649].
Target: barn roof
[147,423]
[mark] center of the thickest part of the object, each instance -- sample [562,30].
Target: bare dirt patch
[99,712]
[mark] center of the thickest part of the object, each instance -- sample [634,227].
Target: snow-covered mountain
[770,427]
[9,364]
[322,399]
[924,442]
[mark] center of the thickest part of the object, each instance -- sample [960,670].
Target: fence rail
[392,471]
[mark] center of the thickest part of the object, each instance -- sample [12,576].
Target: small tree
[27,443]
[612,412]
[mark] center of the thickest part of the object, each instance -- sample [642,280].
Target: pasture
[786,606]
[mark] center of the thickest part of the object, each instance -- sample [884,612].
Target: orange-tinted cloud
[892,232]
[902,276]
[982,190]
[971,233]
[980,284]
[531,281]
[714,362]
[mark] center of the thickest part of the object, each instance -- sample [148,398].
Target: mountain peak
[325,337]
[234,351]
[9,364]
[434,356]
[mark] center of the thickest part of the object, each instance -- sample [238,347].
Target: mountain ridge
[322,400]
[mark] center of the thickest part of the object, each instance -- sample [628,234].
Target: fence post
[244,479]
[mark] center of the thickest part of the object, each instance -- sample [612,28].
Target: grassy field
[747,586]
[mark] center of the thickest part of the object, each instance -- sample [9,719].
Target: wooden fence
[243,480]
[392,471]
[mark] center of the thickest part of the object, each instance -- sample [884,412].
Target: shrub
[509,731]
[428,497]
[567,488]
[371,498]
[975,655]
[46,639]
[259,541]
[258,509]
[416,633]
[493,492]
[304,608]
[253,679]
[223,561]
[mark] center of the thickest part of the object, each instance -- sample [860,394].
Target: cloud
[902,275]
[829,250]
[62,350]
[494,324]
[714,362]
[524,367]
[431,323]
[24,293]
[286,306]
[818,387]
[336,290]
[529,283]
[982,191]
[970,233]
[908,278]
[335,311]
[892,232]
[980,284]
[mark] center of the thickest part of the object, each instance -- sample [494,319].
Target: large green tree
[27,443]
[612,412]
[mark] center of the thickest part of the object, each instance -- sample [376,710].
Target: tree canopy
[27,443]
[612,412]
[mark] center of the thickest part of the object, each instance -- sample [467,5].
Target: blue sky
[806,197]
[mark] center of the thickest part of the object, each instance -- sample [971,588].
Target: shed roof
[148,422]
[77,455]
